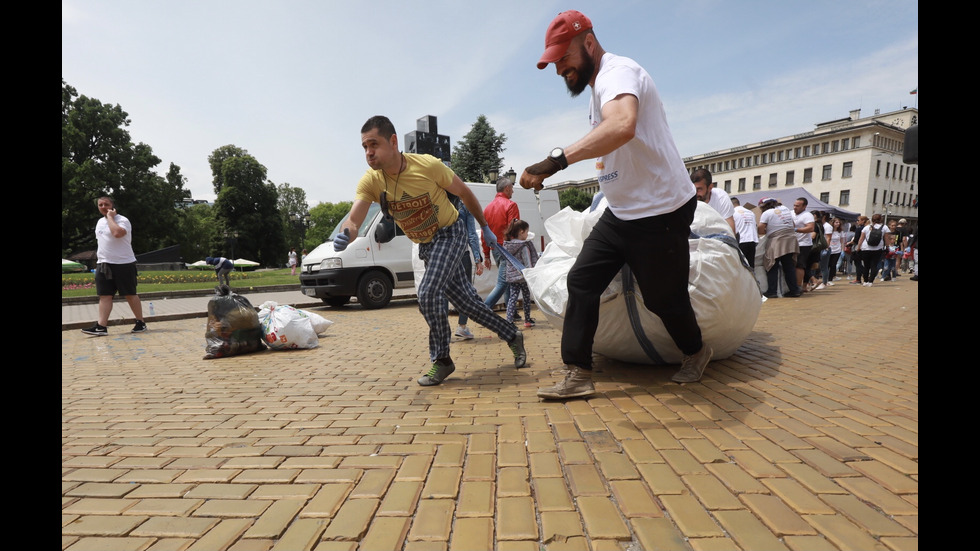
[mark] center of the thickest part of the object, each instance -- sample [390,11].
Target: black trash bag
[233,326]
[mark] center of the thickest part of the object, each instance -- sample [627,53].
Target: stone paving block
[99,506]
[516,519]
[545,465]
[559,526]
[825,464]
[102,525]
[175,527]
[635,499]
[551,494]
[873,493]
[574,453]
[241,508]
[222,536]
[513,481]
[811,479]
[386,533]
[327,501]
[798,497]
[273,521]
[711,492]
[107,544]
[777,516]
[658,534]
[585,480]
[443,482]
[433,521]
[691,517]
[351,521]
[889,457]
[682,462]
[476,499]
[843,533]
[98,489]
[303,533]
[866,517]
[747,531]
[661,478]
[755,464]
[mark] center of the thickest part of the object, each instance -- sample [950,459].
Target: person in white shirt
[804,227]
[651,202]
[873,253]
[717,199]
[116,268]
[746,228]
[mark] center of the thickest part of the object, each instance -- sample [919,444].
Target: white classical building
[854,163]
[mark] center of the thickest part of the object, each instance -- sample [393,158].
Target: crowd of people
[813,249]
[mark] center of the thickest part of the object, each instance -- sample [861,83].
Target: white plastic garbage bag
[724,292]
[286,327]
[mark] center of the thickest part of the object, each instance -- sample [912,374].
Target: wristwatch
[558,155]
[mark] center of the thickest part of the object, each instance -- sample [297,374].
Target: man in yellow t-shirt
[418,192]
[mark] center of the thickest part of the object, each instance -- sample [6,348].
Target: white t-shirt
[113,250]
[777,218]
[646,176]
[836,239]
[800,220]
[867,233]
[721,202]
[745,225]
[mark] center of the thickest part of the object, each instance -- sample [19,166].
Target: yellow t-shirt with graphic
[417,197]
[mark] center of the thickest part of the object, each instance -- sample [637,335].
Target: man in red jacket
[499,214]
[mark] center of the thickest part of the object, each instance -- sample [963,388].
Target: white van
[380,260]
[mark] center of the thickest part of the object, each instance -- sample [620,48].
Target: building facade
[854,163]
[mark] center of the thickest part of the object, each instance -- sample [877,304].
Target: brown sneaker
[577,382]
[693,366]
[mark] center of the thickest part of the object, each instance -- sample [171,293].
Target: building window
[740,164]
[779,156]
[806,151]
[728,186]
[878,168]
[757,182]
[755,160]
[913,174]
[834,145]
[825,147]
[846,172]
[790,177]
[845,197]
[874,197]
[807,175]
[772,180]
[726,165]
[825,196]
[844,144]
[796,153]
[826,172]
[741,184]
[857,142]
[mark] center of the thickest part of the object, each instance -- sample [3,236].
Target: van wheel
[336,301]
[374,290]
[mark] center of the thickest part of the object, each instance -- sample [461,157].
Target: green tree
[247,209]
[198,231]
[293,211]
[99,158]
[324,218]
[478,152]
[575,198]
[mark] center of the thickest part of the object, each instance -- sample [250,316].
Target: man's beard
[583,74]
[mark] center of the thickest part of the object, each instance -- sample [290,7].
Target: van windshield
[368,219]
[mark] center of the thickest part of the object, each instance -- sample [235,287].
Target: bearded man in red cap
[651,202]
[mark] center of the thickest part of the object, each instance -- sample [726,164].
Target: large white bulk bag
[724,291]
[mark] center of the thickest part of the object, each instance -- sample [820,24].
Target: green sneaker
[516,346]
[438,372]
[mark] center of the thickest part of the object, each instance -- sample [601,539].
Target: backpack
[874,237]
[820,243]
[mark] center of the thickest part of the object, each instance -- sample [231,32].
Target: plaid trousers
[445,279]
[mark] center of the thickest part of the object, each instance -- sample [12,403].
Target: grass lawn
[83,284]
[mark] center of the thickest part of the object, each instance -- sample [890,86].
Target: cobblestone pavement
[805,438]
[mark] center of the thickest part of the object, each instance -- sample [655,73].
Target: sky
[292,81]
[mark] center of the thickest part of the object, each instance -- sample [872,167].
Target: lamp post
[301,222]
[492,176]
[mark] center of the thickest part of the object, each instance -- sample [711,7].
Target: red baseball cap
[566,26]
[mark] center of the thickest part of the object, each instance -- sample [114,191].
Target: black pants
[656,250]
[871,260]
[748,249]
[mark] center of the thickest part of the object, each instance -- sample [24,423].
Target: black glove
[546,167]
